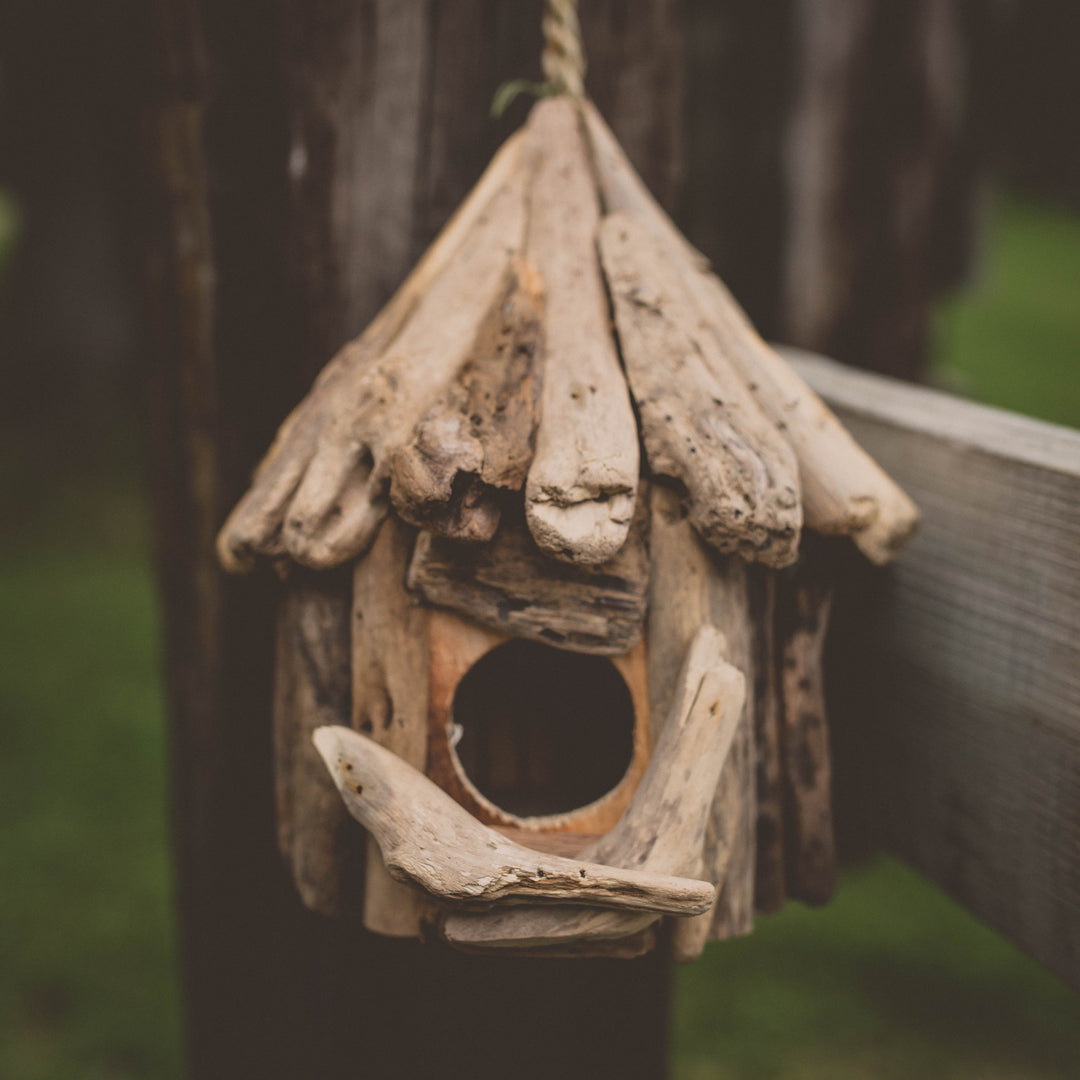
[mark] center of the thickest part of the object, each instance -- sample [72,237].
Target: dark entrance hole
[543,731]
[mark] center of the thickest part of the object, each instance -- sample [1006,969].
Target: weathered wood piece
[255,525]
[579,496]
[476,443]
[958,687]
[663,828]
[342,499]
[770,891]
[510,585]
[843,489]
[810,850]
[621,189]
[311,689]
[699,423]
[691,586]
[390,700]
[428,839]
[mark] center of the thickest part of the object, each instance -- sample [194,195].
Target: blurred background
[896,185]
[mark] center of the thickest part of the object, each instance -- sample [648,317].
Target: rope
[563,58]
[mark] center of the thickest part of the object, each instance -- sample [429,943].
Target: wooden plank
[958,672]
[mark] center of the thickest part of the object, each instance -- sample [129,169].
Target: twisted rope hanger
[563,58]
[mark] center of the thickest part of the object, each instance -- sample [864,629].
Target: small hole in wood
[543,731]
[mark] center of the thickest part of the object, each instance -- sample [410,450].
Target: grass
[892,980]
[1013,339]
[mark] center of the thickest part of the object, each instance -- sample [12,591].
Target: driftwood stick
[844,491]
[311,688]
[390,700]
[476,443]
[805,604]
[579,496]
[691,586]
[699,423]
[428,839]
[621,189]
[342,498]
[511,586]
[663,828]
[254,526]
[769,887]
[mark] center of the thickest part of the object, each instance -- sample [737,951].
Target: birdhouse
[537,635]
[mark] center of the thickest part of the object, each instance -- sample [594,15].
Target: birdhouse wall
[319,841]
[691,587]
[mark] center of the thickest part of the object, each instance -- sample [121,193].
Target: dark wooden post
[303,154]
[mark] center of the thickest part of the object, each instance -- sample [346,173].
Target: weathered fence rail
[958,695]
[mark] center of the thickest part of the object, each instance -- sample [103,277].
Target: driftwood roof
[559,341]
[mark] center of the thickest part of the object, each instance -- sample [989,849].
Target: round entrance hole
[543,731]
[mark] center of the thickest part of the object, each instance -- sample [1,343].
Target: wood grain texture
[803,606]
[699,423]
[311,688]
[429,840]
[474,446]
[579,496]
[511,586]
[389,665]
[770,890]
[663,829]
[692,586]
[961,668]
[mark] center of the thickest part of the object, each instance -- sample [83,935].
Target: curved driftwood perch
[663,828]
[428,839]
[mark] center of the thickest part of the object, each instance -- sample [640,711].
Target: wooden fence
[956,690]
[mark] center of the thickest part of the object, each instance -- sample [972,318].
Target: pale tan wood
[456,644]
[428,839]
[343,497]
[311,688]
[690,585]
[958,688]
[509,585]
[663,828]
[810,852]
[843,490]
[699,423]
[254,527]
[389,700]
[475,445]
[621,189]
[580,491]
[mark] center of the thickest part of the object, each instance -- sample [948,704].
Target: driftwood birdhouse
[536,634]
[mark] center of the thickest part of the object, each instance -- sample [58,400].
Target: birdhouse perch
[564,682]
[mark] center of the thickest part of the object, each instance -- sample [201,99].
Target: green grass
[1013,338]
[892,980]
[87,971]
